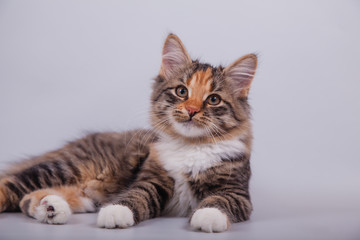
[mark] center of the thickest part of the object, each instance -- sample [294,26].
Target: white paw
[113,216]
[53,209]
[209,220]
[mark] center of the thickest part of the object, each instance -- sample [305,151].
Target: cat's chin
[188,129]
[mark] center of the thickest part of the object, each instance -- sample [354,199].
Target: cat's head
[196,101]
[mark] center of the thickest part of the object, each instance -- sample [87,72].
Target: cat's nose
[192,110]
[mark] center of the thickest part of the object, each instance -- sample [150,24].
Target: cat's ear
[241,73]
[174,56]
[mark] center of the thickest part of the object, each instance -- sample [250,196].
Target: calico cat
[193,162]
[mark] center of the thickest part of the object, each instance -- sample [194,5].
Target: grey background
[69,67]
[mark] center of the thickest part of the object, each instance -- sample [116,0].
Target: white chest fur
[181,159]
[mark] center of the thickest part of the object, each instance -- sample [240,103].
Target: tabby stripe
[213,83]
[23,179]
[201,67]
[14,189]
[113,151]
[240,194]
[136,169]
[171,98]
[21,188]
[46,179]
[233,206]
[138,200]
[46,173]
[220,202]
[232,184]
[227,175]
[230,205]
[239,204]
[84,150]
[235,190]
[79,156]
[45,167]
[150,200]
[108,151]
[164,195]
[36,179]
[32,175]
[223,181]
[94,144]
[240,157]
[101,149]
[232,111]
[167,89]
[59,171]
[219,111]
[221,123]
[75,171]
[213,187]
[149,174]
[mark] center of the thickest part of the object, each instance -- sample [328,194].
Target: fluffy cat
[193,162]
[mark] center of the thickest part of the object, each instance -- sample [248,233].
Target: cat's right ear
[241,74]
[174,56]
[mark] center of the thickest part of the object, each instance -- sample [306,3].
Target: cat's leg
[51,169]
[225,198]
[216,212]
[55,205]
[145,199]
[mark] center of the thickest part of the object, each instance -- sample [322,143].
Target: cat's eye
[214,99]
[181,91]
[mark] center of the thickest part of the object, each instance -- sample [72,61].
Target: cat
[194,162]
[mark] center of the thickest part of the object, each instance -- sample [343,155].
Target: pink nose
[192,110]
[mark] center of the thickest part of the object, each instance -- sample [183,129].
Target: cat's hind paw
[209,220]
[53,209]
[115,216]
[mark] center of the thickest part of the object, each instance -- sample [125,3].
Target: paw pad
[53,209]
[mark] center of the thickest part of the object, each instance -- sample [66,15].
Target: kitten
[194,161]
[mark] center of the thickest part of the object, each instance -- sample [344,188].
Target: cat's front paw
[209,220]
[114,216]
[53,209]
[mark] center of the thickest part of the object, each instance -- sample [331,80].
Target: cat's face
[197,101]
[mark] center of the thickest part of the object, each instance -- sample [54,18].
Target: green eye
[214,99]
[181,91]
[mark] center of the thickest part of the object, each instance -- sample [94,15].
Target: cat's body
[194,162]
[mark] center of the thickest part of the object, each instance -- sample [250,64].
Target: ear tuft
[174,56]
[241,74]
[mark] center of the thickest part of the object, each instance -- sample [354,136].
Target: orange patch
[199,86]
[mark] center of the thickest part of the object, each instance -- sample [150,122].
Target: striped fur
[101,164]
[194,162]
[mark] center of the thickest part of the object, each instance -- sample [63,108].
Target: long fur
[195,161]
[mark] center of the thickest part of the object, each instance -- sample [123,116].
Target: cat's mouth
[188,128]
[188,123]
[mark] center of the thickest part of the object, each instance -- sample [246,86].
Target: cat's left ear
[174,56]
[241,73]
